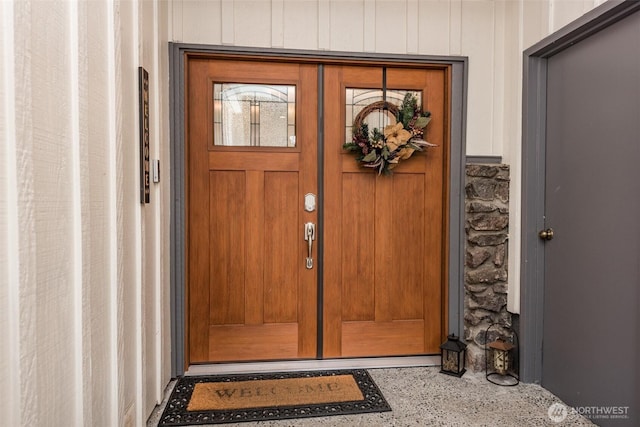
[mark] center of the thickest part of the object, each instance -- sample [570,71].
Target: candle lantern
[452,356]
[500,355]
[501,361]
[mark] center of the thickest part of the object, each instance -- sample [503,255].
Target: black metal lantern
[452,356]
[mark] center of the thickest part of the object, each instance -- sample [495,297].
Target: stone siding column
[487,228]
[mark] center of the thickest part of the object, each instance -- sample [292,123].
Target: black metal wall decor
[501,355]
[143,100]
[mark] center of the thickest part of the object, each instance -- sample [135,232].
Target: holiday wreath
[384,150]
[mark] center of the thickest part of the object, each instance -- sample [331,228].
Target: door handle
[546,234]
[310,236]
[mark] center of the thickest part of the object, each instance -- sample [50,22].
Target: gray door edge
[533,172]
[177,51]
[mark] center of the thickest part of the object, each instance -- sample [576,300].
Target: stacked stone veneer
[486,226]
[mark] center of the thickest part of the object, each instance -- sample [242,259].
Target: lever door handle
[310,236]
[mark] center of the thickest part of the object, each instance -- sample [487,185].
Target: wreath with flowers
[383,151]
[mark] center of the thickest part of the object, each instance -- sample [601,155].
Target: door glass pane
[254,115]
[358,99]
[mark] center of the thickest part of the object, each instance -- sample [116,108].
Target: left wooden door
[250,293]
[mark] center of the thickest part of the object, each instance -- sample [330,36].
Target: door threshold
[313,365]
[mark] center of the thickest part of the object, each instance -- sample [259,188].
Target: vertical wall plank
[277,23]
[122,345]
[434,21]
[301,24]
[77,56]
[158,329]
[175,21]
[227,21]
[9,221]
[138,218]
[150,219]
[130,219]
[514,15]
[499,77]
[478,18]
[324,25]
[412,26]
[387,14]
[455,27]
[533,22]
[347,23]
[201,21]
[369,30]
[49,293]
[113,276]
[24,300]
[252,28]
[564,11]
[163,327]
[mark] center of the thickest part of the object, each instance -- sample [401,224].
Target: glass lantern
[501,356]
[452,356]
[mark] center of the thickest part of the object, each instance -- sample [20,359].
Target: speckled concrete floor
[424,397]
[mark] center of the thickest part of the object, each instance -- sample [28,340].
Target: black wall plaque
[143,90]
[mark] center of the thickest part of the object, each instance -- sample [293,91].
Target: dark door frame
[177,54]
[533,172]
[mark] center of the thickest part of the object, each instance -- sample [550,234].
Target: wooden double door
[379,287]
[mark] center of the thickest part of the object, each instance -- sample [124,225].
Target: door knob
[546,234]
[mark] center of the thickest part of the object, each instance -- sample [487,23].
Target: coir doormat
[254,397]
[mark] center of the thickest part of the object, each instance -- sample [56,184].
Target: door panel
[227,203]
[591,289]
[250,295]
[384,263]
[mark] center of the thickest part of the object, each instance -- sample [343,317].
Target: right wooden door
[385,259]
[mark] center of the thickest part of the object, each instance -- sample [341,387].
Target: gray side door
[592,201]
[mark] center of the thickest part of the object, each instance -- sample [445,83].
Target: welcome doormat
[274,396]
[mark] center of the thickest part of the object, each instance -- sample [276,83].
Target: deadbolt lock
[546,234]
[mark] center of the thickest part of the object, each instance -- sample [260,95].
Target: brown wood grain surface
[250,296]
[385,246]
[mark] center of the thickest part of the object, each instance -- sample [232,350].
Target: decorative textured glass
[254,115]
[357,99]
